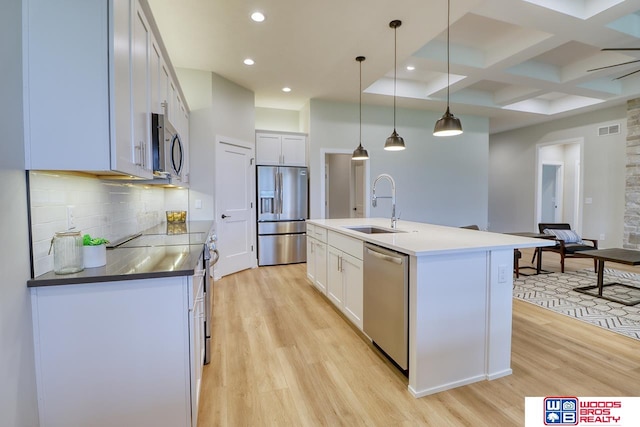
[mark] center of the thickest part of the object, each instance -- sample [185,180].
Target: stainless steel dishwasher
[386,301]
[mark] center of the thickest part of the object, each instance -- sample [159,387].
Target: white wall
[218,107]
[277,119]
[438,180]
[197,88]
[512,174]
[18,404]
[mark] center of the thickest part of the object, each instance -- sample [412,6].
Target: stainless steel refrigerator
[282,210]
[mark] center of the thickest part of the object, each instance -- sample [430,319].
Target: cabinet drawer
[310,230]
[346,244]
[320,233]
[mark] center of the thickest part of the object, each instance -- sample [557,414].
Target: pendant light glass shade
[448,124]
[360,153]
[395,141]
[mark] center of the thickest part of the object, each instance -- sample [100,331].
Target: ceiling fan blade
[621,77]
[615,65]
[621,48]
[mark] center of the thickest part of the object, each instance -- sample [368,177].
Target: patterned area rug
[554,291]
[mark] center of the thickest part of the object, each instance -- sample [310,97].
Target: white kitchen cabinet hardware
[281,149]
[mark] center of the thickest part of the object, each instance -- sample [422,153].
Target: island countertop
[130,263]
[418,239]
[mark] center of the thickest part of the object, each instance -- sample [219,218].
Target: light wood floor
[282,356]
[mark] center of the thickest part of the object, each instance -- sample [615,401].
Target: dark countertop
[140,263]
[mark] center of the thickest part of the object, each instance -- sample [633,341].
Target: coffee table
[622,256]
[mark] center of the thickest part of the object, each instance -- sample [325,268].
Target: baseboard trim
[448,386]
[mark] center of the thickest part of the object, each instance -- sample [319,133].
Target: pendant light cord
[448,62]
[360,102]
[395,70]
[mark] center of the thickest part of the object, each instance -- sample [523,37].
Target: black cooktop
[150,240]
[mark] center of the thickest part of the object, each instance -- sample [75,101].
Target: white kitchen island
[460,297]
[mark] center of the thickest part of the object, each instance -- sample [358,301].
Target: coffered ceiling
[518,62]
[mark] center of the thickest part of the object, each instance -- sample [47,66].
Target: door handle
[225,216]
[390,258]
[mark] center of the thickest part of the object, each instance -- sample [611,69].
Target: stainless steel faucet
[374,198]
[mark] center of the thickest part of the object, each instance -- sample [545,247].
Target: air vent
[609,130]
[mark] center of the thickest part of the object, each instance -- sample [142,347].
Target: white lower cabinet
[311,260]
[352,275]
[317,257]
[335,282]
[124,353]
[320,254]
[345,276]
[317,264]
[196,341]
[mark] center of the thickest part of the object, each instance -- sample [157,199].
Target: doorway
[344,185]
[551,193]
[559,183]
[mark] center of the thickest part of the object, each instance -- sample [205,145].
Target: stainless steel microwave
[168,151]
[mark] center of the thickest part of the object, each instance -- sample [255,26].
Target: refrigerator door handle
[279,174]
[276,199]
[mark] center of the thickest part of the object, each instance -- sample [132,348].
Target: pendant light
[448,125]
[360,153]
[395,141]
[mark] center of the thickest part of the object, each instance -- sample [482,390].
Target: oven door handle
[217,257]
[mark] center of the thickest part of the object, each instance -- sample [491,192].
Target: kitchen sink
[370,229]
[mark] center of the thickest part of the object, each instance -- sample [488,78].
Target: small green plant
[88,241]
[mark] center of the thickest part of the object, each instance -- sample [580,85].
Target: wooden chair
[516,262]
[516,252]
[566,249]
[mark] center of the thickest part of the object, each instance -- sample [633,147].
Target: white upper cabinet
[119,142]
[66,76]
[294,150]
[141,93]
[94,72]
[155,64]
[277,149]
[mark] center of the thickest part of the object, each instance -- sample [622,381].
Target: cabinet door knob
[225,216]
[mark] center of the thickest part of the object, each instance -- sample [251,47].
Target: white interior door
[551,193]
[234,190]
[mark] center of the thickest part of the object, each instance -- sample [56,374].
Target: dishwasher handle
[385,257]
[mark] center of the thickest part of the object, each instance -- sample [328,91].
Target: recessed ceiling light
[286,89]
[249,61]
[258,16]
[410,68]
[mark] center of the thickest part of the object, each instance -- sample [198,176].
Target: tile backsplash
[101,208]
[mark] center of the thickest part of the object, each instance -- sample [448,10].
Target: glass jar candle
[67,252]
